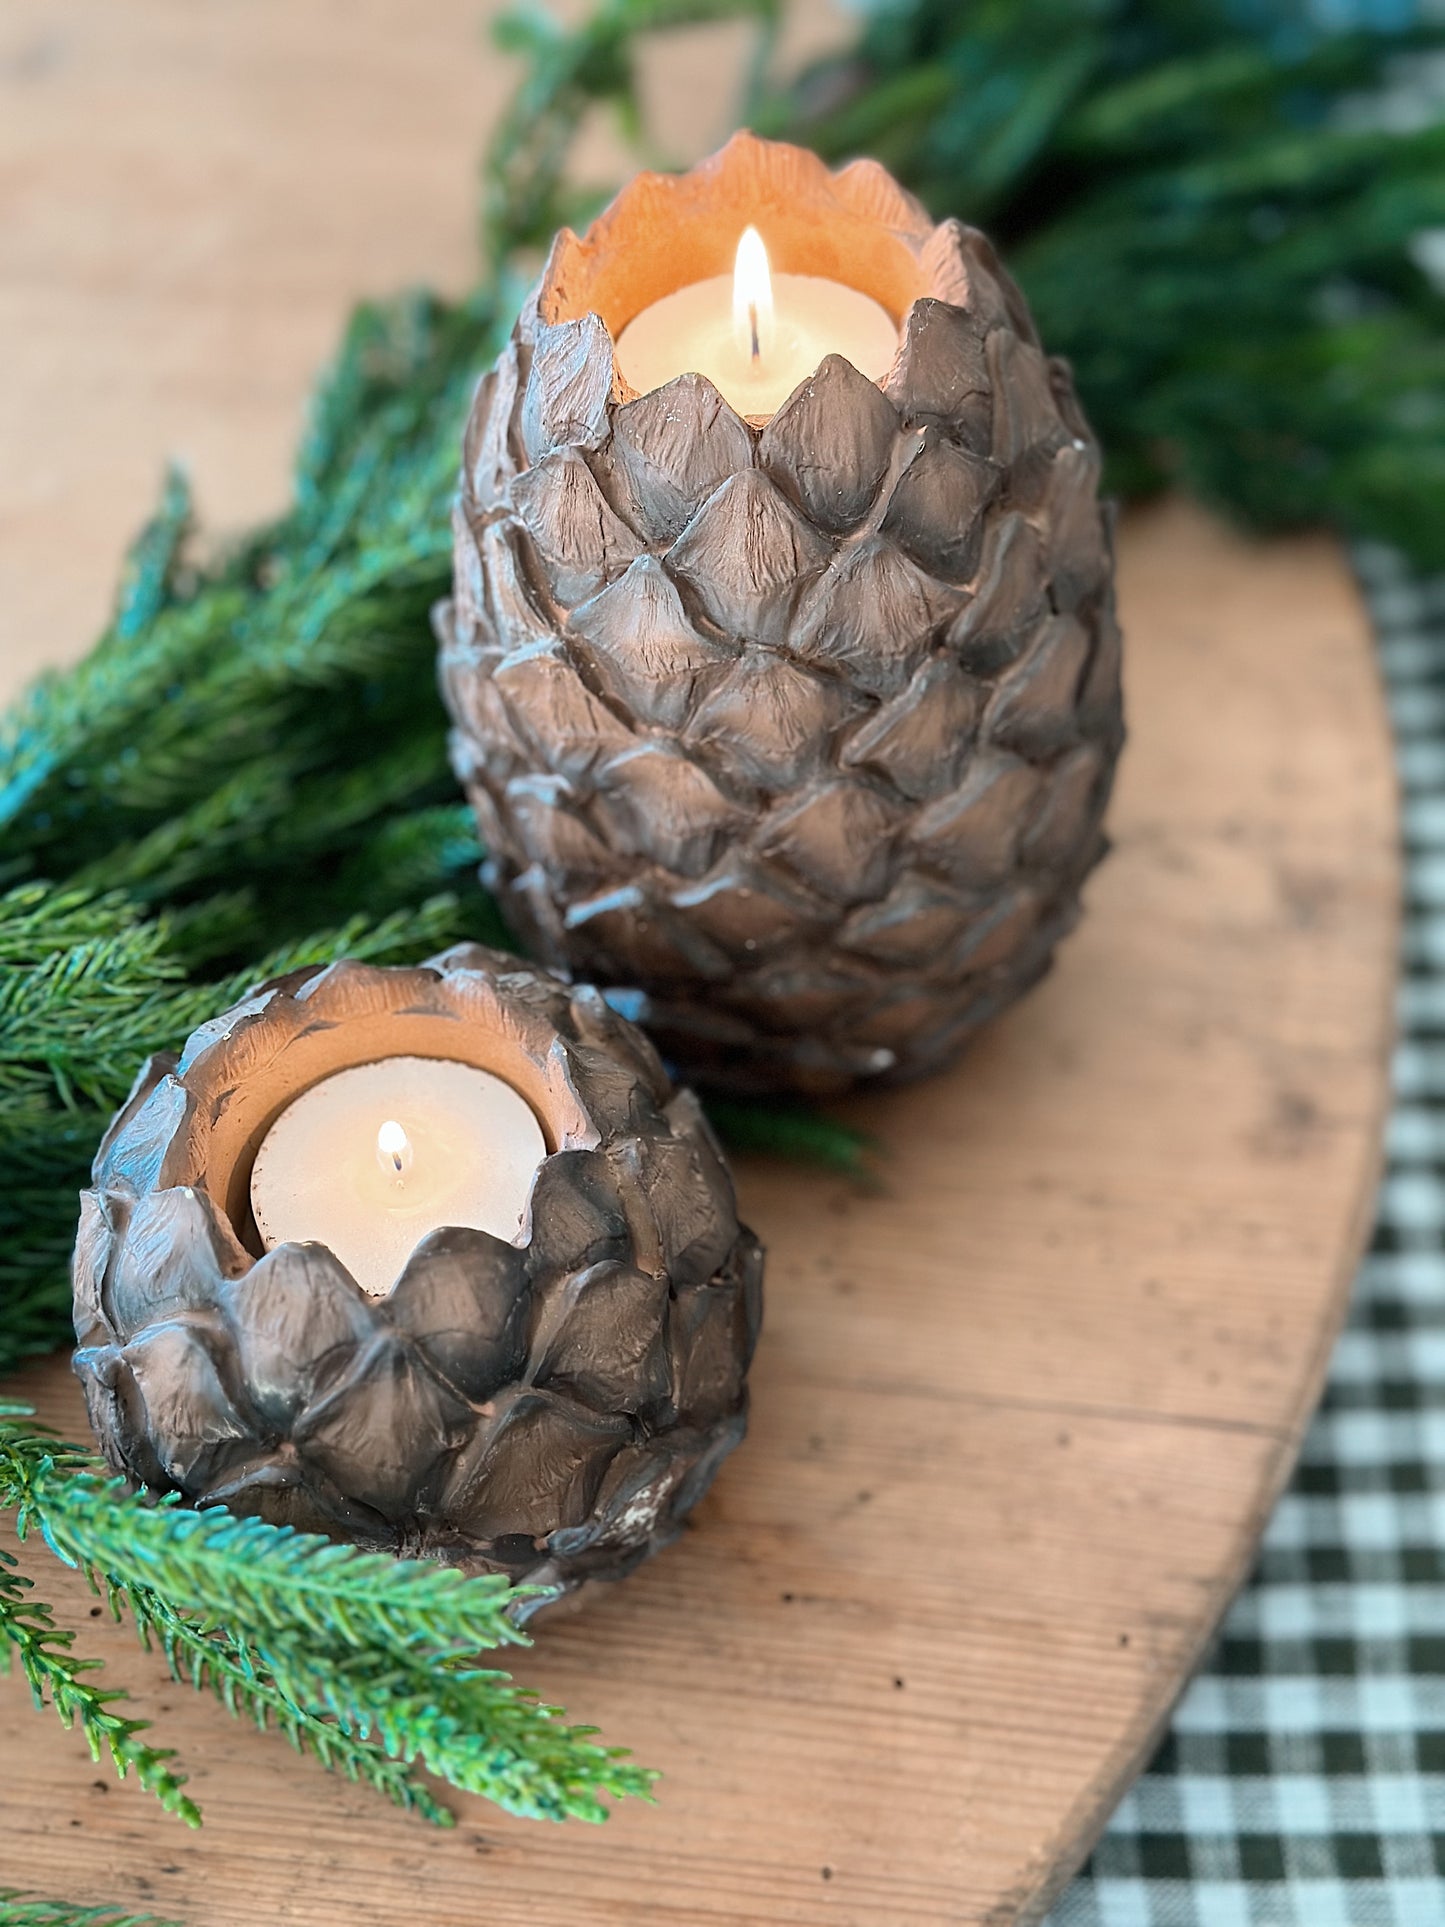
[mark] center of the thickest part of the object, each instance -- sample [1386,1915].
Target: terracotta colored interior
[241,1096]
[665,232]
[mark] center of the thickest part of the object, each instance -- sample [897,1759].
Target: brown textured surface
[550,1409]
[803,726]
[1016,1421]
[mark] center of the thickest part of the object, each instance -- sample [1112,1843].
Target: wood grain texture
[193,193]
[1018,1416]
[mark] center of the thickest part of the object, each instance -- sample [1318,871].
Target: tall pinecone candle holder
[803,724]
[548,1404]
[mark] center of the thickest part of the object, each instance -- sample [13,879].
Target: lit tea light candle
[373,1159]
[756,335]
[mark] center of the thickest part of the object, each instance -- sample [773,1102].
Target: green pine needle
[791,1131]
[44,1651]
[21,1909]
[365,1661]
[271,1578]
[209,1658]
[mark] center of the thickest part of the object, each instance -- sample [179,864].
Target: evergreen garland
[248,772]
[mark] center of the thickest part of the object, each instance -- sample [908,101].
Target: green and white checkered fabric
[1303,1781]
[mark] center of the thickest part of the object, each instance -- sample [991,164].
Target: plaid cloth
[1303,1782]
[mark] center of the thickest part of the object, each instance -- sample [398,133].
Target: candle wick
[753,330]
[393,1149]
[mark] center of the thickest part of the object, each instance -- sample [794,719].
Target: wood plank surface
[1019,1414]
[193,193]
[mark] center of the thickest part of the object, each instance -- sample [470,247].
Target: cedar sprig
[211,1659]
[367,1661]
[44,1650]
[21,1909]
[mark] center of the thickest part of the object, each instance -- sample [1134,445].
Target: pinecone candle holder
[549,1407]
[805,725]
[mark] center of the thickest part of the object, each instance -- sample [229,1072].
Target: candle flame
[752,297]
[393,1149]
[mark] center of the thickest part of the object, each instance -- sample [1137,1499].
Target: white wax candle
[756,335]
[372,1159]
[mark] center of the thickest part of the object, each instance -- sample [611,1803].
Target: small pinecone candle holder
[803,725]
[548,1407]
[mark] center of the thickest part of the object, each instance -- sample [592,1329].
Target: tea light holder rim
[896,252]
[451,1008]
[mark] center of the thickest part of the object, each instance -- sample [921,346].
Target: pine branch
[44,1481]
[272,1579]
[790,1131]
[205,1657]
[150,577]
[365,1660]
[332,602]
[570,72]
[471,1726]
[418,1697]
[58,1678]
[21,1909]
[209,1658]
[410,855]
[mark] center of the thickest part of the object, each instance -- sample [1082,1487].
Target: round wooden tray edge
[1084,1826]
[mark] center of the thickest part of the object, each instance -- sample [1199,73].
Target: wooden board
[1018,1418]
[1020,1415]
